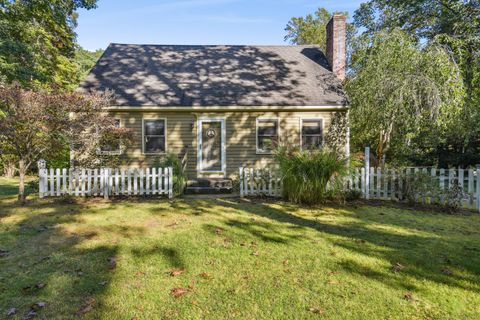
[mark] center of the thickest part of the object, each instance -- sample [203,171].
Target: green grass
[259,260]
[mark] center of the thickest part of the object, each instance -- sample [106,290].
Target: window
[109,143]
[312,133]
[154,135]
[267,135]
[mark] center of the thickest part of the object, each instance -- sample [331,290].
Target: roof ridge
[216,45]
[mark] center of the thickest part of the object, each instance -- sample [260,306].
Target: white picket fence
[388,184]
[105,182]
[377,183]
[260,182]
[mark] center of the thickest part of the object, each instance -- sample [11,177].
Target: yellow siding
[240,136]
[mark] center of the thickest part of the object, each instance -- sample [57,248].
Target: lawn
[231,258]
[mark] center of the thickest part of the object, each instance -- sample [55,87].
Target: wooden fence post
[170,182]
[477,192]
[367,171]
[42,165]
[106,183]
[241,182]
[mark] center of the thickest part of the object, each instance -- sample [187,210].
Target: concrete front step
[209,186]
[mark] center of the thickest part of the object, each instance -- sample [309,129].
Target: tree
[401,91]
[86,60]
[37,41]
[311,29]
[455,24]
[34,124]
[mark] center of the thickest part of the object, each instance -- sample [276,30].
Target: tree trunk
[9,170]
[21,186]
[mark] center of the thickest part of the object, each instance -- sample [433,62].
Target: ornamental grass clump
[311,177]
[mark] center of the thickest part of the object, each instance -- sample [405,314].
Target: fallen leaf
[176,272]
[27,289]
[194,302]
[255,253]
[408,296]
[112,262]
[316,310]
[397,267]
[29,315]
[11,312]
[173,224]
[39,305]
[86,307]
[205,275]
[190,286]
[44,259]
[178,292]
[285,262]
[40,285]
[447,271]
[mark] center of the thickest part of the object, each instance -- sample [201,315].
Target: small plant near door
[312,176]
[179,177]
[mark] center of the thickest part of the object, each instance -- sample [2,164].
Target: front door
[211,145]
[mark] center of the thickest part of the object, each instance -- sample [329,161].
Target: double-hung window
[312,133]
[154,136]
[267,135]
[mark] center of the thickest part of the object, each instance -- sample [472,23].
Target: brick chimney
[337,45]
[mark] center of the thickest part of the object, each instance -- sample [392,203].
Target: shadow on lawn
[43,251]
[425,256]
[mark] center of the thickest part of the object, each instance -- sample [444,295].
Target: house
[222,107]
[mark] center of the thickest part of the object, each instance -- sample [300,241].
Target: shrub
[179,177]
[419,185]
[352,195]
[422,185]
[312,176]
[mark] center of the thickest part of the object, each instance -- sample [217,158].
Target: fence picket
[147,181]
[154,181]
[129,182]
[379,180]
[478,188]
[433,173]
[470,186]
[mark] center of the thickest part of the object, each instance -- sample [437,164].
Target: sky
[193,22]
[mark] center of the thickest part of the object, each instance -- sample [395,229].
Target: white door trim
[199,144]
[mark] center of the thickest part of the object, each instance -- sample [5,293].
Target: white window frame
[322,126]
[200,142]
[143,136]
[120,146]
[260,151]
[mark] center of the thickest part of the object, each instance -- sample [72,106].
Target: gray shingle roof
[177,75]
